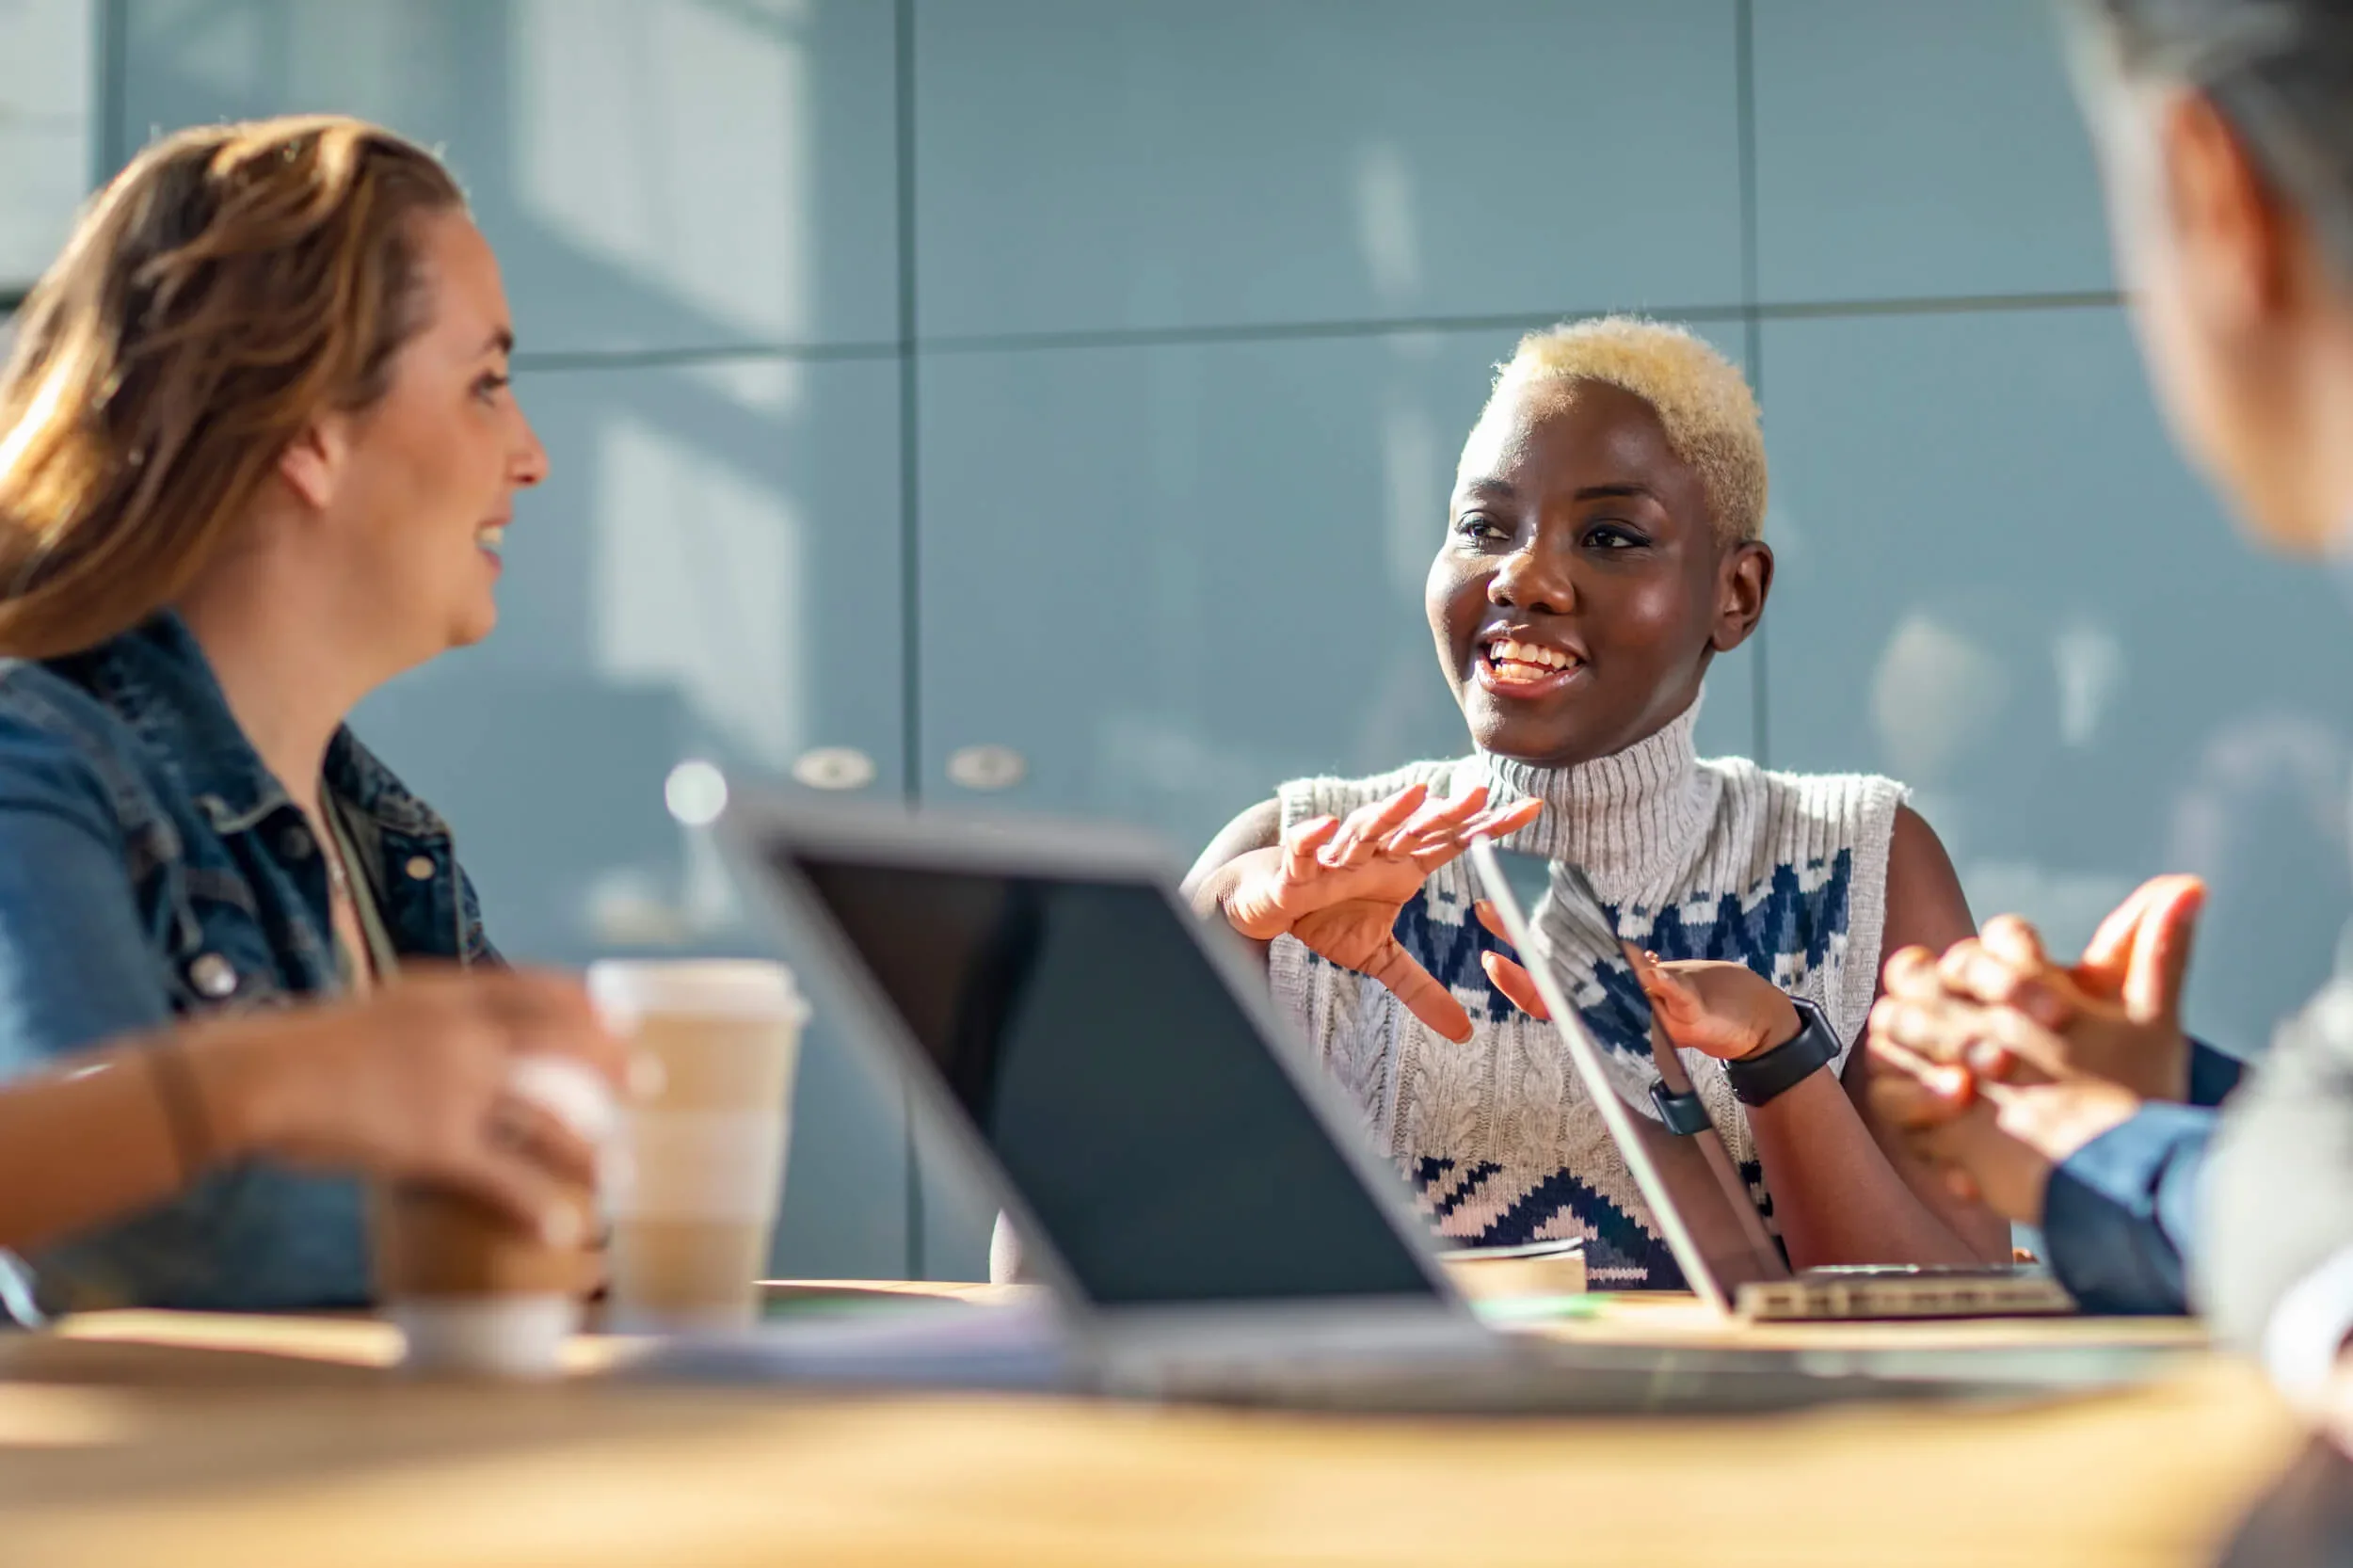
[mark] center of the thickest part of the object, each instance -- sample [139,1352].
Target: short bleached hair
[1702,402]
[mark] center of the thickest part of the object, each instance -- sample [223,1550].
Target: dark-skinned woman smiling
[1603,546]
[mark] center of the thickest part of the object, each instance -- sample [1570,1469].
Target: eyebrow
[1587,492]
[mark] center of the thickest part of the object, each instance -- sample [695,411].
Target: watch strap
[1684,1114]
[1757,1079]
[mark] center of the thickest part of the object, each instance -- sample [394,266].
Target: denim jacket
[152,868]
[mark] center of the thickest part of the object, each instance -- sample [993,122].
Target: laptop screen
[1694,1189]
[1123,1087]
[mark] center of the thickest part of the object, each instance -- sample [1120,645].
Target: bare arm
[1258,829]
[81,1144]
[1926,907]
[415,1082]
[1844,1189]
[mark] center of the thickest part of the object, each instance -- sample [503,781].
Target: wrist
[1783,1023]
[1236,893]
[2057,1120]
[232,1075]
[1764,1075]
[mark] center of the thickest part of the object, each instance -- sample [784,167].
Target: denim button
[213,976]
[419,869]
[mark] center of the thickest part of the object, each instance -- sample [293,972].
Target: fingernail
[1984,1056]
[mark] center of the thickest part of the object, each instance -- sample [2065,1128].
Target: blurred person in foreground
[2225,135]
[258,454]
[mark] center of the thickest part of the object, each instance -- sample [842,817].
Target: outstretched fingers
[1484,912]
[1516,983]
[1438,848]
[1419,990]
[1301,844]
[1369,827]
[1435,819]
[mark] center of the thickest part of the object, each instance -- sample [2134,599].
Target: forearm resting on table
[85,1142]
[1836,1197]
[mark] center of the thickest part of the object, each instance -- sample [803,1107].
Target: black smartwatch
[1757,1079]
[1684,1113]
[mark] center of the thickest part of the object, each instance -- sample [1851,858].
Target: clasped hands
[2005,1063]
[1338,885]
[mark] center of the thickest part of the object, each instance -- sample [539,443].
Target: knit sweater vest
[1695,858]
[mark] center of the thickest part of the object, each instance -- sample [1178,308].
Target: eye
[489,384]
[1614,536]
[1478,528]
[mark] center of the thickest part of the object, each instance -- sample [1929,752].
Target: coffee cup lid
[703,987]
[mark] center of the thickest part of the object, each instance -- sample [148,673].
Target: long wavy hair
[227,288]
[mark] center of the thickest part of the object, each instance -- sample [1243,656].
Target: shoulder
[1805,820]
[58,741]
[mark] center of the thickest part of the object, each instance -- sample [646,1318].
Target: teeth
[491,538]
[1504,650]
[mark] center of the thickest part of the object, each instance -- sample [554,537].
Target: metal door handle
[987,767]
[834,768]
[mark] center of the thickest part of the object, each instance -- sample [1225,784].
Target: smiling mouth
[492,536]
[1508,667]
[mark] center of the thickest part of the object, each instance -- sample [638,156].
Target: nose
[1529,579]
[528,464]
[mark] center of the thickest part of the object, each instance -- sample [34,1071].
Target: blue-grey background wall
[1082,378]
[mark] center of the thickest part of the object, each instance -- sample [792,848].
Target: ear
[1743,579]
[312,465]
[2233,236]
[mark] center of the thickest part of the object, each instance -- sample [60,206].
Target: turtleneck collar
[1632,820]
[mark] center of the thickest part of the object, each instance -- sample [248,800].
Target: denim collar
[157,678]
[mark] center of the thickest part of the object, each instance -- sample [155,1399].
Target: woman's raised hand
[1338,885]
[1727,1010]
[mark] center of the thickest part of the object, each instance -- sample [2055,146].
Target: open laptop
[1208,1214]
[1583,970]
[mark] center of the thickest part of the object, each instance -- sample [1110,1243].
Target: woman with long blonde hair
[258,456]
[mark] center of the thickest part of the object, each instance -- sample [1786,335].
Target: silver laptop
[1583,970]
[1205,1209]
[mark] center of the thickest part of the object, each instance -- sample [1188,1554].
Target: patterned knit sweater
[1715,858]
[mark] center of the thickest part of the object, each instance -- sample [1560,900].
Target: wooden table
[136,1438]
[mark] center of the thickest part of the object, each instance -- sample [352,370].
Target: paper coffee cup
[699,1166]
[472,1290]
